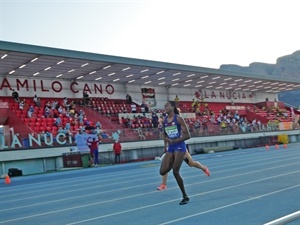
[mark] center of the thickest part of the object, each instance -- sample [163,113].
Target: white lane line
[49,192]
[126,188]
[48,184]
[139,208]
[229,205]
[285,219]
[182,218]
[70,179]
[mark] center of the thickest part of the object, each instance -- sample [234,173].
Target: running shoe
[206,171]
[162,187]
[184,201]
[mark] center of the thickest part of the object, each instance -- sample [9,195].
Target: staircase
[94,116]
[127,134]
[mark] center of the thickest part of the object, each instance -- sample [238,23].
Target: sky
[204,33]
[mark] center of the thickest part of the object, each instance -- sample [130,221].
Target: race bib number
[172,131]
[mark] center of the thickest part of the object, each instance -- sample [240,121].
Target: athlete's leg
[166,164]
[163,185]
[164,179]
[178,159]
[193,163]
[196,164]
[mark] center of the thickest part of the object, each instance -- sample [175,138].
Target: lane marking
[13,189]
[285,219]
[126,188]
[108,183]
[229,205]
[147,206]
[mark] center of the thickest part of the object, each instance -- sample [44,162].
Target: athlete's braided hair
[176,111]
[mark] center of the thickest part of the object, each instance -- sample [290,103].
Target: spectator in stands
[60,110]
[67,129]
[30,111]
[146,108]
[81,112]
[38,103]
[98,131]
[129,123]
[67,132]
[194,105]
[48,137]
[60,130]
[117,147]
[219,119]
[35,98]
[133,108]
[73,114]
[98,125]
[212,117]
[67,114]
[65,101]
[128,99]
[48,104]
[88,125]
[47,112]
[236,115]
[249,127]
[72,105]
[160,130]
[86,98]
[154,119]
[275,103]
[54,104]
[223,126]
[123,121]
[15,94]
[82,130]
[176,99]
[94,147]
[230,126]
[236,128]
[143,108]
[205,105]
[205,127]
[57,122]
[243,127]
[80,119]
[21,105]
[197,127]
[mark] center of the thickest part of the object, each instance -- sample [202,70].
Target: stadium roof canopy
[29,61]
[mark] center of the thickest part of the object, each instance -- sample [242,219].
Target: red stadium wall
[4,114]
[18,125]
[251,116]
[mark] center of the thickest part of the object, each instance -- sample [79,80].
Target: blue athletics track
[250,186]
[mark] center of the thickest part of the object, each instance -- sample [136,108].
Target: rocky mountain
[286,66]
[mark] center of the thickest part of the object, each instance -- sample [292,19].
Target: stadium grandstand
[53,99]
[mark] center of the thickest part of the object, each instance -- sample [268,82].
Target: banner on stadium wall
[148,96]
[285,126]
[81,141]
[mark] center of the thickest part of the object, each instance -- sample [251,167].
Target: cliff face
[286,66]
